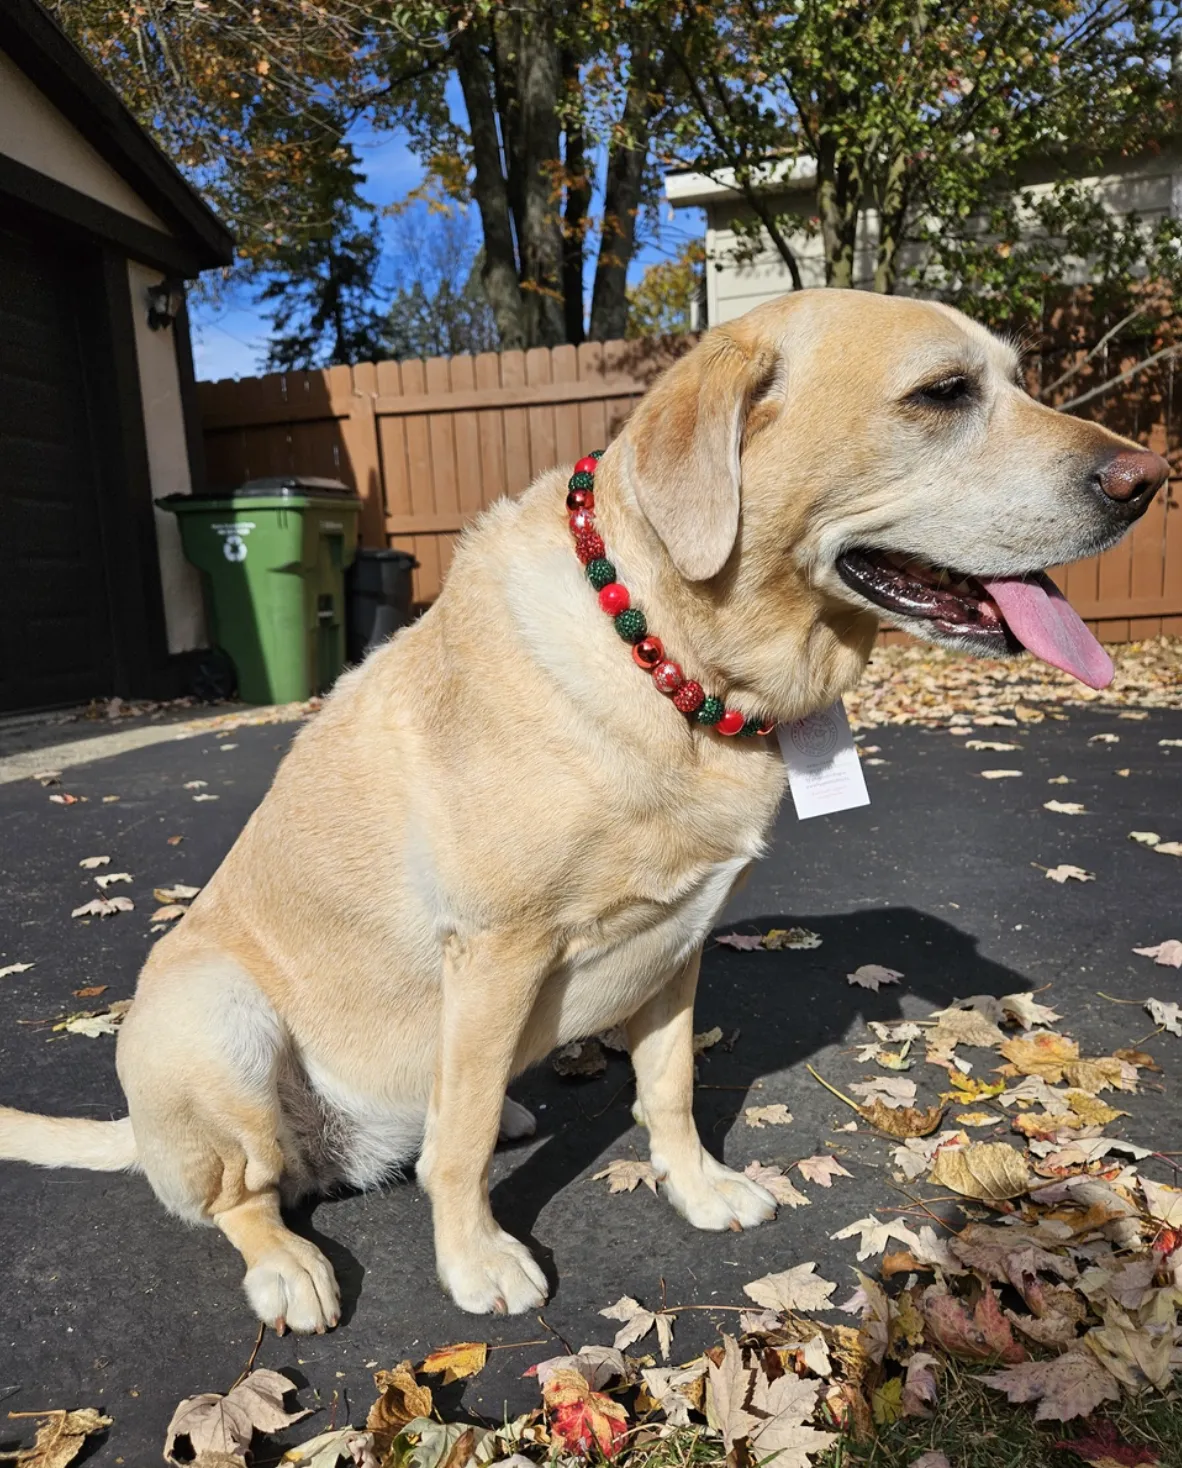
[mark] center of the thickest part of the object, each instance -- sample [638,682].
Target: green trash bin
[272,557]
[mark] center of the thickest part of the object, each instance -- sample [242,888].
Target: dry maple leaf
[213,1423]
[796,939]
[779,1186]
[821,1170]
[902,1121]
[1011,1256]
[179,893]
[678,1390]
[875,1234]
[457,1362]
[770,1416]
[582,1420]
[402,1399]
[1065,872]
[1168,953]
[1071,1385]
[104,907]
[169,914]
[1000,774]
[995,746]
[1102,1448]
[873,976]
[1168,1016]
[961,1027]
[1163,1202]
[707,1040]
[15,968]
[1144,838]
[892,1091]
[745,942]
[327,1449]
[920,1391]
[108,879]
[95,1022]
[798,1288]
[1169,848]
[580,1058]
[761,1116]
[624,1175]
[1065,807]
[1040,1054]
[60,1437]
[1062,1312]
[990,1171]
[983,1336]
[933,1459]
[637,1322]
[90,862]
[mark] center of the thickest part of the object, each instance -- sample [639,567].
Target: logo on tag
[234,548]
[824,772]
[234,538]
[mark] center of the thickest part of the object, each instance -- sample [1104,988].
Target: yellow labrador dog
[502,833]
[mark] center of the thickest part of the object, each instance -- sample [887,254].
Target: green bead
[631,625]
[711,711]
[750,729]
[582,480]
[597,453]
[600,573]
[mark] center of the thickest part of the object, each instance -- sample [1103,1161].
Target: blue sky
[230,335]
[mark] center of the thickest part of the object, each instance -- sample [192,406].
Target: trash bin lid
[279,486]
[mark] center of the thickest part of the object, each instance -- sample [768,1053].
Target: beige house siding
[34,132]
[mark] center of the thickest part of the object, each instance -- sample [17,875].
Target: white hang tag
[824,771]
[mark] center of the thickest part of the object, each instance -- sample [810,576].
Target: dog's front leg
[661,1038]
[490,983]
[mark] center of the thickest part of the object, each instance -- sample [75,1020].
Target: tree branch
[1104,387]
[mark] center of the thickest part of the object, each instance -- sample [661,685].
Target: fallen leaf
[1056,1327]
[745,942]
[902,1121]
[1065,807]
[92,992]
[205,797]
[983,1336]
[582,1419]
[1011,1256]
[957,1026]
[1060,780]
[624,1175]
[1168,953]
[1104,739]
[993,745]
[1028,1013]
[874,1235]
[678,1390]
[1043,1055]
[771,1416]
[1169,848]
[196,784]
[103,907]
[821,1170]
[931,1460]
[1000,774]
[796,939]
[777,1184]
[1145,838]
[456,1362]
[597,1365]
[174,894]
[798,1288]
[761,1116]
[176,841]
[891,1091]
[1169,1016]
[873,976]
[920,1392]
[47,777]
[68,799]
[1163,1202]
[637,1322]
[1064,873]
[886,1401]
[90,862]
[15,968]
[93,1023]
[60,1437]
[707,1039]
[1166,743]
[169,914]
[326,1450]
[213,1423]
[401,1400]
[108,879]
[580,1058]
[1103,1448]
[1071,1385]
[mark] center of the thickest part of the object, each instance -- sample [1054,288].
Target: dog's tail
[66,1141]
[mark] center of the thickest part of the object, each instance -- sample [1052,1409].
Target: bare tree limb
[1104,387]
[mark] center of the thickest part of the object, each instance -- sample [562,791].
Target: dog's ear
[687,438]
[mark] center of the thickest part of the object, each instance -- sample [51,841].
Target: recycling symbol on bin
[234,548]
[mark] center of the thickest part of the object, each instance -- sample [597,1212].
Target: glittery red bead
[648,652]
[587,466]
[614,599]
[689,698]
[580,499]
[589,546]
[731,722]
[581,520]
[667,676]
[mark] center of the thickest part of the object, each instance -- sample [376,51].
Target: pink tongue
[1041,618]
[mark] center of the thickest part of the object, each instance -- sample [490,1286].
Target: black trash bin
[378,592]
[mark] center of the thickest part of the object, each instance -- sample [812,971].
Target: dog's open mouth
[989,615]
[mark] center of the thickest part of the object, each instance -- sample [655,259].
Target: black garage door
[56,636]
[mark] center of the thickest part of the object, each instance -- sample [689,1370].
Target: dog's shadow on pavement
[785,1005]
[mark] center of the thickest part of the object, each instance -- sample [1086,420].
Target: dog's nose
[1131,478]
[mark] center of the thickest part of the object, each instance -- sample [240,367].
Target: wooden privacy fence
[429,444]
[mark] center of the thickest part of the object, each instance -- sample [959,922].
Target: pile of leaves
[925,685]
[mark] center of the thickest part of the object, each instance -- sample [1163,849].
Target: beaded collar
[648,652]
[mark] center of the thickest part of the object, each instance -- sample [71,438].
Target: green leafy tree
[661,302]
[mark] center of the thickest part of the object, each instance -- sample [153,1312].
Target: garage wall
[168,463]
[34,132]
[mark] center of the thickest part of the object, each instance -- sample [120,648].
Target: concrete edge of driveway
[26,763]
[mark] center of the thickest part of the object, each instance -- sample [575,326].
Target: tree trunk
[621,203]
[892,220]
[839,198]
[540,162]
[498,272]
[578,199]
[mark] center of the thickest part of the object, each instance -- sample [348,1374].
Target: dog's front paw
[713,1197]
[294,1287]
[498,1276]
[517,1121]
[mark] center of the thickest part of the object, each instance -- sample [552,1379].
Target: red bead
[648,652]
[582,520]
[589,546]
[667,676]
[614,598]
[689,698]
[731,722]
[580,499]
[587,466]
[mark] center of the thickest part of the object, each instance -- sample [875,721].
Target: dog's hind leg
[199,1057]
[661,1039]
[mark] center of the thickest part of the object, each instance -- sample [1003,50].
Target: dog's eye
[945,392]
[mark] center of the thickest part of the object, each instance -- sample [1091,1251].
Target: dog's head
[835,455]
